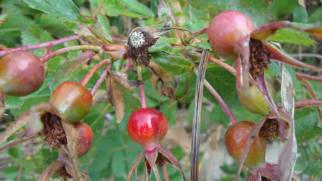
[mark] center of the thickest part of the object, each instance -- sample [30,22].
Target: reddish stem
[142,95]
[310,91]
[202,31]
[68,49]
[164,172]
[308,103]
[92,71]
[99,81]
[309,77]
[221,102]
[51,170]
[222,64]
[141,86]
[2,105]
[41,45]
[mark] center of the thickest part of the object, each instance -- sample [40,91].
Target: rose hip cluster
[72,101]
[233,35]
[21,74]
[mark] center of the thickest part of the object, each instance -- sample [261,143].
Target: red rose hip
[227,29]
[85,138]
[72,101]
[147,126]
[21,73]
[235,141]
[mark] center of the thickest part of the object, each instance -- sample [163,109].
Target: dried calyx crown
[139,41]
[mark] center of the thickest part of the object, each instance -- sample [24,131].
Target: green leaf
[138,7]
[53,25]
[62,8]
[104,27]
[282,8]
[169,108]
[316,15]
[118,166]
[223,82]
[175,64]
[287,35]
[116,8]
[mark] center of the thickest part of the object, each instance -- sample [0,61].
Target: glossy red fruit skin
[85,138]
[72,101]
[147,126]
[235,141]
[227,29]
[21,73]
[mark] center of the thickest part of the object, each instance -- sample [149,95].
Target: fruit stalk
[99,81]
[41,45]
[92,71]
[164,172]
[309,77]
[308,103]
[222,64]
[221,102]
[141,87]
[197,115]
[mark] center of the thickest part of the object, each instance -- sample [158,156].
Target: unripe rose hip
[85,138]
[21,73]
[235,141]
[72,101]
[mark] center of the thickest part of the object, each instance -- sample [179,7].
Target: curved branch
[309,77]
[68,49]
[41,45]
[221,102]
[222,64]
[51,170]
[100,81]
[92,71]
[308,103]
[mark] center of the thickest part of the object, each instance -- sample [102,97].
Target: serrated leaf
[65,9]
[53,25]
[287,35]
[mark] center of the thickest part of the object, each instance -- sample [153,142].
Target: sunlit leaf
[61,8]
